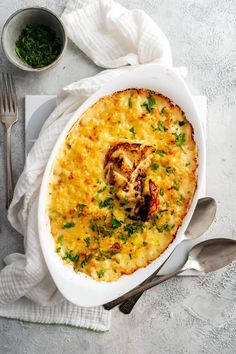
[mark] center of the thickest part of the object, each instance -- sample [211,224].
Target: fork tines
[7,94]
[8,116]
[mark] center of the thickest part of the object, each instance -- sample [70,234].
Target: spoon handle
[128,305]
[141,288]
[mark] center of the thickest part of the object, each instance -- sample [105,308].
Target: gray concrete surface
[185,315]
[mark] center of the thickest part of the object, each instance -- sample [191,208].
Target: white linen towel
[112,37]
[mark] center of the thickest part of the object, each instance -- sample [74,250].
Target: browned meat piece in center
[125,168]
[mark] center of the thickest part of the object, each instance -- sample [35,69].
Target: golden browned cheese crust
[122,183]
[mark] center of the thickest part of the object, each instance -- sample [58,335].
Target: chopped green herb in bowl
[38,45]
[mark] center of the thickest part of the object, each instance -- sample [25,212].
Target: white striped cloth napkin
[113,37]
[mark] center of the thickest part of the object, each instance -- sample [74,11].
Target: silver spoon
[205,257]
[202,218]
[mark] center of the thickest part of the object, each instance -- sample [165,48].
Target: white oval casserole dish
[78,287]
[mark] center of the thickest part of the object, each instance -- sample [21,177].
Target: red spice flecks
[71,176]
[86,255]
[94,248]
[116,246]
[143,115]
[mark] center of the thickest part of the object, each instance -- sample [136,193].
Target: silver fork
[8,116]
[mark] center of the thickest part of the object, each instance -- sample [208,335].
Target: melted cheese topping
[93,230]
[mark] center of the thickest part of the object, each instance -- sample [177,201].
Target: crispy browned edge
[172,104]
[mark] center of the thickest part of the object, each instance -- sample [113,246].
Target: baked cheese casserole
[122,183]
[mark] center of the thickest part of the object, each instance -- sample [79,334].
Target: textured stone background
[185,315]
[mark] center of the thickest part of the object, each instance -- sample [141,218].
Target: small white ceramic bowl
[18,21]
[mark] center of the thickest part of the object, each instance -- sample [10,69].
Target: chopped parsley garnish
[106,203]
[161,192]
[68,225]
[161,153]
[123,237]
[100,228]
[176,184]
[94,226]
[98,181]
[148,105]
[58,249]
[133,131]
[115,223]
[169,170]
[51,211]
[38,45]
[96,197]
[109,253]
[87,241]
[101,273]
[164,227]
[187,164]
[85,262]
[162,212]
[182,122]
[133,228]
[154,166]
[151,101]
[148,108]
[112,189]
[130,102]
[162,111]
[69,255]
[81,208]
[160,127]
[102,189]
[105,231]
[60,239]
[180,140]
[157,216]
